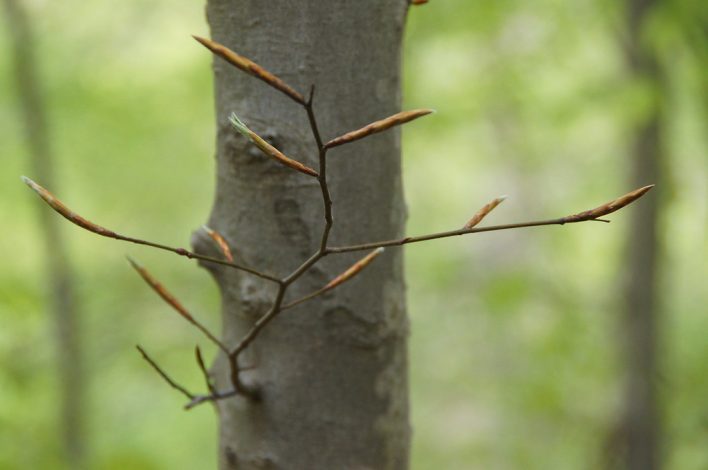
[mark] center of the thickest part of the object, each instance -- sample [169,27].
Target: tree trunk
[331,372]
[641,421]
[61,294]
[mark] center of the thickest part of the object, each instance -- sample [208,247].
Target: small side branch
[76,219]
[590,215]
[203,368]
[164,375]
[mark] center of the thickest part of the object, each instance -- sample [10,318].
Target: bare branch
[250,67]
[174,303]
[268,149]
[322,178]
[378,126]
[352,271]
[203,368]
[581,217]
[164,375]
[76,219]
[259,325]
[216,396]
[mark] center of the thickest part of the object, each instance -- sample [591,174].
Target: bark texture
[641,427]
[331,372]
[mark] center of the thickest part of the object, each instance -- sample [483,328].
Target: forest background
[515,336]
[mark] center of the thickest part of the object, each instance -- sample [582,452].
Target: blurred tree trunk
[62,302]
[333,371]
[641,427]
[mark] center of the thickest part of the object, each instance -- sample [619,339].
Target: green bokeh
[514,347]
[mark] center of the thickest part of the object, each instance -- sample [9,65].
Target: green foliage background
[515,343]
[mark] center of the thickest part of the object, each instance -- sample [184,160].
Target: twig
[342,278]
[76,219]
[589,215]
[322,178]
[260,324]
[199,399]
[205,372]
[164,375]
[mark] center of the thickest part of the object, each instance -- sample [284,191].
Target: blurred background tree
[515,358]
[60,296]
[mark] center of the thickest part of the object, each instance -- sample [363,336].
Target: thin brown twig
[199,399]
[589,215]
[322,178]
[352,271]
[260,324]
[203,368]
[164,375]
[76,219]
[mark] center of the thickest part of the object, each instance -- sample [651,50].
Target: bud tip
[132,262]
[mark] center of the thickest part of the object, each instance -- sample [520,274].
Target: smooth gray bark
[332,372]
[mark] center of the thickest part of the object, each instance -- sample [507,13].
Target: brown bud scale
[483,212]
[250,67]
[608,207]
[378,126]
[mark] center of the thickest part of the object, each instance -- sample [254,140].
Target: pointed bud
[250,67]
[482,213]
[67,213]
[378,126]
[160,290]
[354,269]
[221,242]
[609,207]
[268,149]
[418,2]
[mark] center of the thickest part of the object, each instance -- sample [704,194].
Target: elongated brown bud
[67,213]
[418,2]
[174,303]
[353,270]
[221,242]
[609,207]
[161,291]
[250,67]
[378,126]
[482,213]
[269,149]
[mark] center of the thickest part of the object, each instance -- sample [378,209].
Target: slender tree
[61,295]
[641,427]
